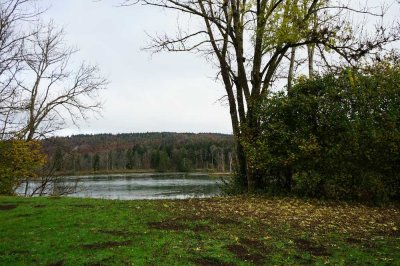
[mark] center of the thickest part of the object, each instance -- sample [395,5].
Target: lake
[142,186]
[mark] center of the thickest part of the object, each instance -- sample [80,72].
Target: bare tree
[52,90]
[250,42]
[14,14]
[55,89]
[40,84]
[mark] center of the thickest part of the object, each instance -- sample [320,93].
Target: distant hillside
[141,151]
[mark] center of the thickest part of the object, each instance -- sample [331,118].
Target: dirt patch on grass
[57,263]
[254,244]
[109,244]
[116,233]
[167,225]
[7,207]
[198,228]
[86,206]
[355,241]
[360,242]
[209,262]
[179,225]
[25,215]
[39,206]
[313,249]
[243,253]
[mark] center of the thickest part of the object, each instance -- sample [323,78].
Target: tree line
[141,151]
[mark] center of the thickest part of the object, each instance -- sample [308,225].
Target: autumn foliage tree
[18,160]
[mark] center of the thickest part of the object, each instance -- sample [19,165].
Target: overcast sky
[161,92]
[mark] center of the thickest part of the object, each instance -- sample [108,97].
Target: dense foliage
[336,136]
[18,161]
[141,151]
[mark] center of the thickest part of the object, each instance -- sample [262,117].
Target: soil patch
[94,264]
[354,241]
[243,253]
[39,206]
[253,244]
[306,245]
[7,207]
[175,225]
[198,228]
[24,215]
[109,244]
[357,242]
[57,263]
[167,225]
[209,262]
[87,206]
[390,233]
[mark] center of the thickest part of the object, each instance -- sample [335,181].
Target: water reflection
[145,186]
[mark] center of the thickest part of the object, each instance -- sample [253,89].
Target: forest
[140,151]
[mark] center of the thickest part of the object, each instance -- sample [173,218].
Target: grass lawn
[220,231]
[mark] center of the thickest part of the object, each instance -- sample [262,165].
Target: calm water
[143,186]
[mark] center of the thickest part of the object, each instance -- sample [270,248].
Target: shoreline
[141,171]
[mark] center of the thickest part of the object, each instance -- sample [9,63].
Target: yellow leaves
[311,216]
[197,249]
[18,160]
[267,237]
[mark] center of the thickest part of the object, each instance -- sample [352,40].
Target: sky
[175,92]
[147,92]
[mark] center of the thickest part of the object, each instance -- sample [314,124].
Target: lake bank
[141,171]
[218,231]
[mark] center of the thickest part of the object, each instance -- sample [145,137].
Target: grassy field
[221,231]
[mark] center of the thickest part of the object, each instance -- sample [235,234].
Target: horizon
[148,132]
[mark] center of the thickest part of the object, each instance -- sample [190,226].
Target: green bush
[335,136]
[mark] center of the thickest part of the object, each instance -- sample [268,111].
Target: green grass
[222,231]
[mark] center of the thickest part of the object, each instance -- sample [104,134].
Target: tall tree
[14,15]
[56,90]
[250,42]
[40,87]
